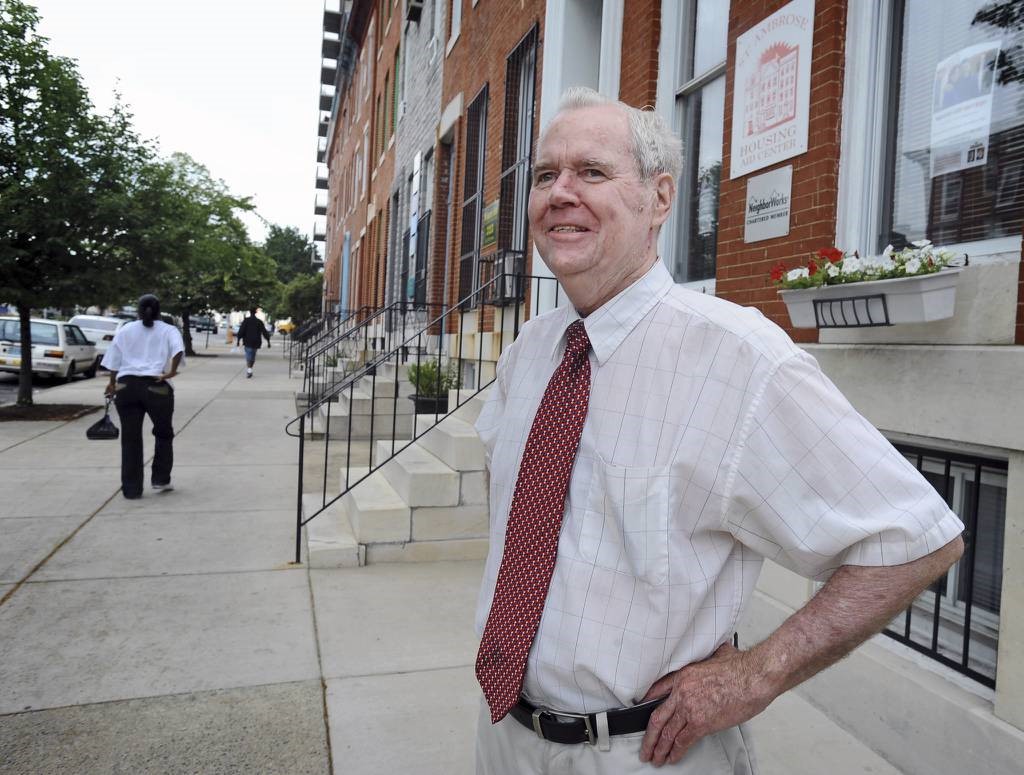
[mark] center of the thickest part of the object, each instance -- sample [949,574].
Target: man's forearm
[856,603]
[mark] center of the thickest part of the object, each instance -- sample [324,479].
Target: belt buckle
[585,717]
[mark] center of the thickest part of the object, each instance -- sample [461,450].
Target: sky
[234,84]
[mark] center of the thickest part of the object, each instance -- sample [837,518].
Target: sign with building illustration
[489,225]
[962,108]
[768,205]
[771,97]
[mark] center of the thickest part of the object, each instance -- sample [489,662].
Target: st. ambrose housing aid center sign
[771,98]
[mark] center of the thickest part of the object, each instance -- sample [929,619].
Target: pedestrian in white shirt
[648,447]
[142,359]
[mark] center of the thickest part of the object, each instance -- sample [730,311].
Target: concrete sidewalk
[172,635]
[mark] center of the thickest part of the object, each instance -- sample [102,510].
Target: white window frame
[455,8]
[673,52]
[861,167]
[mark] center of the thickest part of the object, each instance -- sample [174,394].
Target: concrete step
[428,551]
[383,402]
[447,523]
[418,477]
[453,441]
[383,426]
[472,404]
[330,540]
[384,386]
[377,513]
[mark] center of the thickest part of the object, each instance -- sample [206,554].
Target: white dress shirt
[143,352]
[711,442]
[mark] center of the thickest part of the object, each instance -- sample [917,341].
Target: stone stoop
[330,540]
[427,503]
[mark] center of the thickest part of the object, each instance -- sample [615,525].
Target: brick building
[915,130]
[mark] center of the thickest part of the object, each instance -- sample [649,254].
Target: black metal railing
[327,328]
[359,340]
[956,621]
[440,345]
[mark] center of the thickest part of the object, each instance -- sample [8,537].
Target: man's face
[592,219]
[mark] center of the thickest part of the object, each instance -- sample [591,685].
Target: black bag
[105,428]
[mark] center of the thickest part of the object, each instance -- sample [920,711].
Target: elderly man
[648,446]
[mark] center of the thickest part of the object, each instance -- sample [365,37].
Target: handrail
[427,344]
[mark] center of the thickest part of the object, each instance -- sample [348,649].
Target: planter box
[874,303]
[430,404]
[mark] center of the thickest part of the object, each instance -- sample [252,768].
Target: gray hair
[656,148]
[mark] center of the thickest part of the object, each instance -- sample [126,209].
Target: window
[399,80]
[472,193]
[957,620]
[389,113]
[378,136]
[700,110]
[517,147]
[456,20]
[955,145]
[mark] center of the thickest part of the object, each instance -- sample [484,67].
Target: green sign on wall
[489,229]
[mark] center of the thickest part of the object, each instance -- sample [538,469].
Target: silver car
[58,349]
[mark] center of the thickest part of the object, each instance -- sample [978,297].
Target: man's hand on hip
[702,698]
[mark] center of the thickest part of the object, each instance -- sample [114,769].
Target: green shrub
[430,380]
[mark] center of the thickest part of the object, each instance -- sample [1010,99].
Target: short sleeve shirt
[143,352]
[711,442]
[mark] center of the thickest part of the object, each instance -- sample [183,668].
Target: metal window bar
[932,601]
[374,382]
[473,189]
[422,259]
[517,143]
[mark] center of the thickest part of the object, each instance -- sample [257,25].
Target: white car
[99,329]
[58,349]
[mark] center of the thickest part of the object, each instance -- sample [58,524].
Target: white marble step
[330,540]
[453,441]
[383,401]
[472,404]
[418,477]
[377,513]
[382,424]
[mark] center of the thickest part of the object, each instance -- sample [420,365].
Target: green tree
[291,250]
[203,248]
[66,175]
[302,297]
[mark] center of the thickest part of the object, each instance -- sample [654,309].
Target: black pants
[135,398]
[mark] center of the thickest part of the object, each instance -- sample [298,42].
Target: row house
[862,123]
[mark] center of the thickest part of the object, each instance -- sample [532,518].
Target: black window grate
[956,621]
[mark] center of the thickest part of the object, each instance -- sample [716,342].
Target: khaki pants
[509,748]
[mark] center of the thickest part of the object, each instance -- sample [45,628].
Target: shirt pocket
[630,505]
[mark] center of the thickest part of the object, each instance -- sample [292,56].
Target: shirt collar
[612,322]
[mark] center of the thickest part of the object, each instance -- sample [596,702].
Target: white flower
[852,264]
[913,266]
[797,274]
[887,251]
[832,270]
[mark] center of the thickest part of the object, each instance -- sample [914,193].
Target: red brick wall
[641,33]
[743,268]
[489,33]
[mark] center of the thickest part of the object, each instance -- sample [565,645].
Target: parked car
[58,349]
[205,323]
[99,329]
[285,326]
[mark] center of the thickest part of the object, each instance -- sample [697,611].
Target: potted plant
[843,290]
[432,382]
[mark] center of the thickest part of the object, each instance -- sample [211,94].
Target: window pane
[957,150]
[703,126]
[709,43]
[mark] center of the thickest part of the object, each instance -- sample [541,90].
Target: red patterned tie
[534,522]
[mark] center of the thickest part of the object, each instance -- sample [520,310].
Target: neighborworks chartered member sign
[771,97]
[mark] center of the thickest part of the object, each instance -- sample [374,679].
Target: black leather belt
[575,728]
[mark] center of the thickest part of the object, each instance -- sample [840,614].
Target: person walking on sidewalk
[142,359]
[251,334]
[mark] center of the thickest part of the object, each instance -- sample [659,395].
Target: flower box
[916,299]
